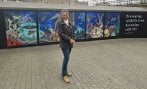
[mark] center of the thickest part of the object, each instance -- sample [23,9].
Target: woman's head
[64,14]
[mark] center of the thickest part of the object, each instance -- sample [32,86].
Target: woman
[65,31]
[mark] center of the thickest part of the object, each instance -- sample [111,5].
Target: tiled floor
[101,64]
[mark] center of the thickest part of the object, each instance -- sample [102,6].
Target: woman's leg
[66,53]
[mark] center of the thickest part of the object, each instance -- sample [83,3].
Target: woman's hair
[66,11]
[60,17]
[63,11]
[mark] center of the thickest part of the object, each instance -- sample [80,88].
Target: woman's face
[65,15]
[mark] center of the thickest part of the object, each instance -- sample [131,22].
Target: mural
[20,28]
[112,24]
[47,26]
[94,24]
[79,24]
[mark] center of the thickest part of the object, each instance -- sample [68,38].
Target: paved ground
[102,64]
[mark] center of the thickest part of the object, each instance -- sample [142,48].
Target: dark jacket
[65,33]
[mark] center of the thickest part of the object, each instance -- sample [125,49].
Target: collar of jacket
[63,23]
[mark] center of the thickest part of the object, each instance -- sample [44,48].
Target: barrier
[23,27]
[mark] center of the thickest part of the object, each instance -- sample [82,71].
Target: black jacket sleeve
[73,35]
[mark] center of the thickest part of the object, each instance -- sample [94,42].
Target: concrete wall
[71,6]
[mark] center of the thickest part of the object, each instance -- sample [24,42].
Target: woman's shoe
[66,79]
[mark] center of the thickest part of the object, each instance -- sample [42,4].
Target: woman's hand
[72,41]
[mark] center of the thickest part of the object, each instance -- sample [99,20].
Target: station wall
[20,28]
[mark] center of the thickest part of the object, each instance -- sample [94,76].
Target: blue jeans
[66,53]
